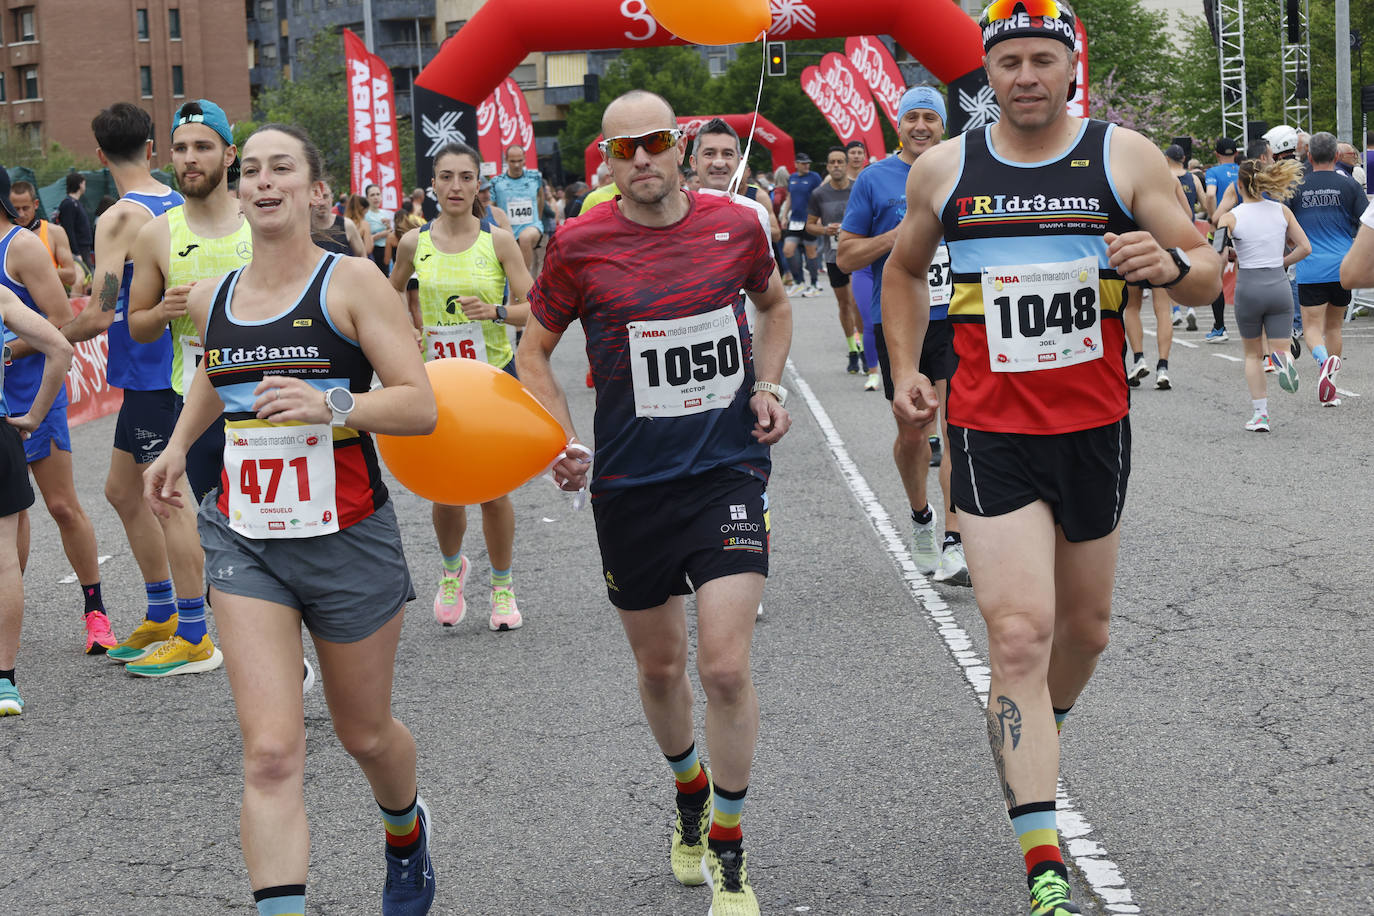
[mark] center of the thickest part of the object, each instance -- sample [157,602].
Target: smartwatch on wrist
[776,391]
[340,402]
[1181,262]
[501,314]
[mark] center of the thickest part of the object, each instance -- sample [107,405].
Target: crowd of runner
[986,283]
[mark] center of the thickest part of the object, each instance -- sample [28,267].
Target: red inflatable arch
[499,36]
[766,134]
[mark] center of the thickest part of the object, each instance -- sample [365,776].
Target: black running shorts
[1081,475]
[838,278]
[668,539]
[16,494]
[937,354]
[145,423]
[1333,294]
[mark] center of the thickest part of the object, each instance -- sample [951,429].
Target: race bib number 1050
[683,366]
[1042,316]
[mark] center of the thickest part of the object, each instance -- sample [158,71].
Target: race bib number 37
[1042,316]
[684,366]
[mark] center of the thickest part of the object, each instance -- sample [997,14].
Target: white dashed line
[1102,875]
[1234,359]
[1178,340]
[71,577]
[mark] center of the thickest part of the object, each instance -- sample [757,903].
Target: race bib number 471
[1042,316]
[684,366]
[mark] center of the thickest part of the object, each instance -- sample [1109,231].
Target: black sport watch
[1182,263]
[501,314]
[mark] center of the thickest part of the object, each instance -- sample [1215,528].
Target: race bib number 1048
[1042,316]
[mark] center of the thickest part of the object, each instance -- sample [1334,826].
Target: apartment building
[64,60]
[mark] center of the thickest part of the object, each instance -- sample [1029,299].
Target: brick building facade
[64,60]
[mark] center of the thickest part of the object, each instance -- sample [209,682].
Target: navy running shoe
[409,888]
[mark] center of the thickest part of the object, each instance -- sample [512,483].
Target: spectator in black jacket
[72,217]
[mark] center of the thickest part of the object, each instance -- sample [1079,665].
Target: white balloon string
[738,178]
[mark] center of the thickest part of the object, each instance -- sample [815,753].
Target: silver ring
[276,393]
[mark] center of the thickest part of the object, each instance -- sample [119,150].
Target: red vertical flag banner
[852,92]
[871,59]
[503,121]
[1078,102]
[361,150]
[820,92]
[387,161]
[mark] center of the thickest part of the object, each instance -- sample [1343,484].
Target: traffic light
[777,58]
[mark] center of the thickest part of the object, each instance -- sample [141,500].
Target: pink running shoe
[1326,382]
[505,614]
[99,637]
[449,605]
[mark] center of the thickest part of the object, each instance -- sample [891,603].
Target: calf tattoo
[1004,719]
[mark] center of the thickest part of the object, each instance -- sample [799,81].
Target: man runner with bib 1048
[1046,218]
[683,431]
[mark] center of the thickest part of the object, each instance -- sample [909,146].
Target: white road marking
[71,577]
[1178,340]
[1102,875]
[1234,359]
[1346,394]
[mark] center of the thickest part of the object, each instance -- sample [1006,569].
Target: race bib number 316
[1042,316]
[683,366]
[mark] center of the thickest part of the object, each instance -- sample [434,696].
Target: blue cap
[210,114]
[921,97]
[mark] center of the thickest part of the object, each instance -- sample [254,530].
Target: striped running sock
[453,564]
[1059,716]
[191,619]
[402,830]
[726,808]
[501,578]
[1038,835]
[282,900]
[162,602]
[693,786]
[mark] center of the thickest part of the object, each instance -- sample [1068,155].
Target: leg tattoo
[1006,718]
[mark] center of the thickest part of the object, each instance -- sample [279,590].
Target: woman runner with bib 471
[301,529]
[463,263]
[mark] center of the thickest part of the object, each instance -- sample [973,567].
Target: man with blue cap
[876,207]
[1046,218]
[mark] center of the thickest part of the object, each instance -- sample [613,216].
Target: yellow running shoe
[689,842]
[144,640]
[731,894]
[177,656]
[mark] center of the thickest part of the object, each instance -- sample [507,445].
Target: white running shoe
[953,568]
[926,552]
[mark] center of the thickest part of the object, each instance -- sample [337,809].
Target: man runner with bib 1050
[1046,217]
[683,431]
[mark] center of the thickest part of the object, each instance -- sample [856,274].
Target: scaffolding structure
[1297,92]
[1230,34]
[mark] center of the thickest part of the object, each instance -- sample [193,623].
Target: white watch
[340,402]
[776,391]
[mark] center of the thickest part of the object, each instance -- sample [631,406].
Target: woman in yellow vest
[464,263]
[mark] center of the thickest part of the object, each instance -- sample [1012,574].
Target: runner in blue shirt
[799,188]
[1220,177]
[520,193]
[1328,206]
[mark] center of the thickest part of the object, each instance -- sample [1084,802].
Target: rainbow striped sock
[693,786]
[1059,716]
[726,808]
[283,900]
[1038,835]
[402,830]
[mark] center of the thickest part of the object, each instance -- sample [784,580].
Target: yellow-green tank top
[193,258]
[444,278]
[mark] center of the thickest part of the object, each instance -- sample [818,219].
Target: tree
[1129,41]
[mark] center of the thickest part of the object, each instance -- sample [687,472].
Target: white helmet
[1282,139]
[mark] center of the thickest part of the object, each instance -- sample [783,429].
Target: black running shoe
[853,368]
[937,451]
[1295,345]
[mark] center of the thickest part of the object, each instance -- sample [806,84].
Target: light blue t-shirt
[519,197]
[877,205]
[1327,206]
[1221,177]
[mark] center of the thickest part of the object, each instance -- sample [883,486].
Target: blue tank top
[4,370]
[136,366]
[24,376]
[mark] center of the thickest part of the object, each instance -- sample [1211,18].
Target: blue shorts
[205,457]
[145,423]
[516,230]
[51,432]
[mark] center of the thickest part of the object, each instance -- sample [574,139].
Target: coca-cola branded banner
[844,101]
[372,145]
[871,59]
[503,121]
[1078,102]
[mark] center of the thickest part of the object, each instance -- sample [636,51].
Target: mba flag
[372,123]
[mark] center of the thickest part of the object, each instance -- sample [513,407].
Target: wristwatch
[501,314]
[1181,262]
[340,402]
[776,391]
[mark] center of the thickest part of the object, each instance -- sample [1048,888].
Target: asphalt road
[1218,763]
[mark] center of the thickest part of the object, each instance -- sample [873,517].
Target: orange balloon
[491,438]
[724,22]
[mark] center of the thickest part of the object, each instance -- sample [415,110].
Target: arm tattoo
[1006,718]
[109,293]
